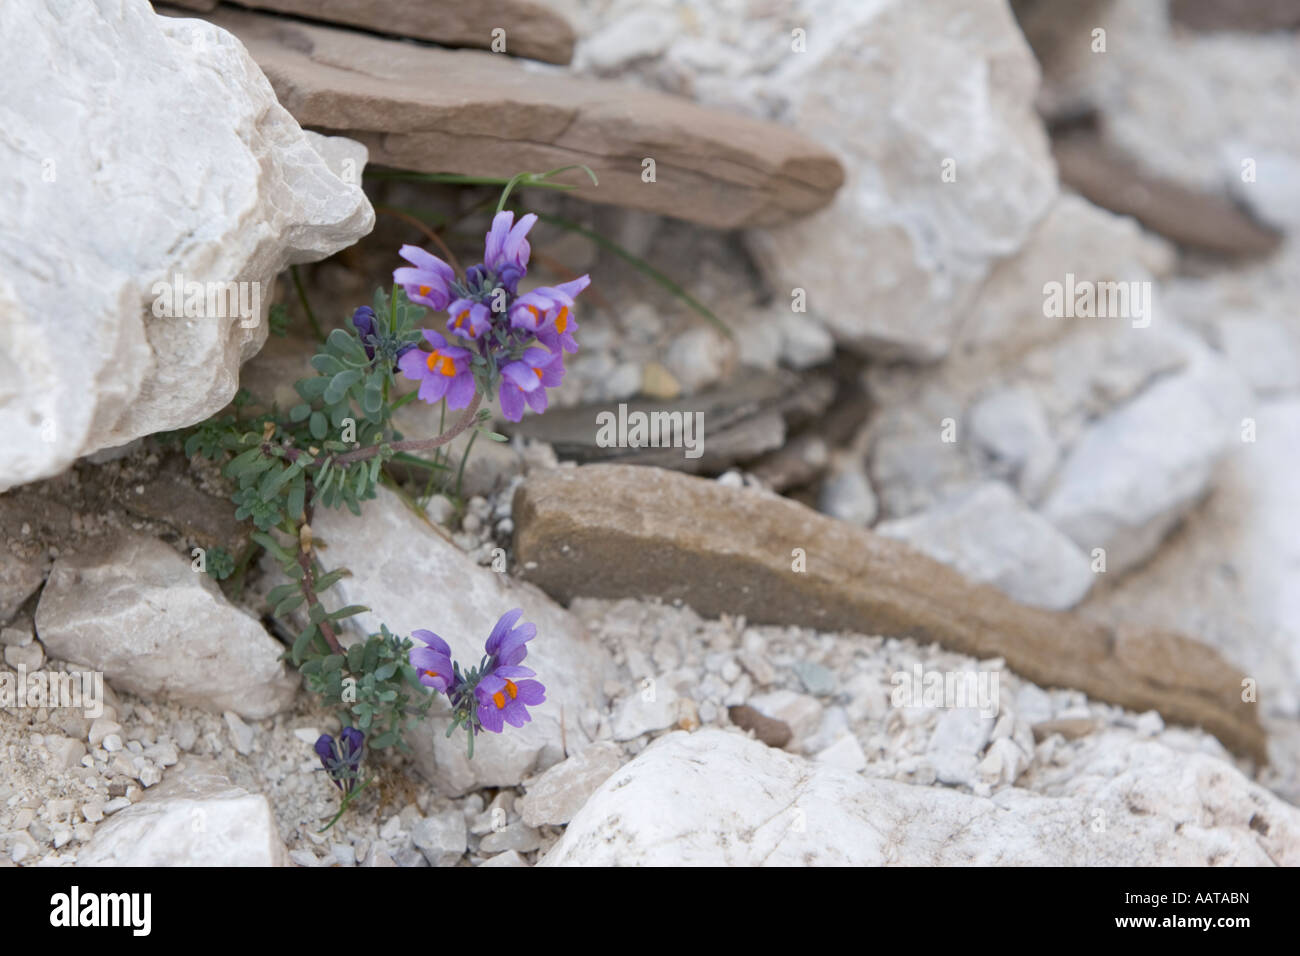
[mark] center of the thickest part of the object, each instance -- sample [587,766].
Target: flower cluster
[373,338]
[498,691]
[498,338]
[342,758]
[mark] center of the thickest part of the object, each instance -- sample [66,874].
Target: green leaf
[299,412]
[279,593]
[242,462]
[327,365]
[327,581]
[385,671]
[340,384]
[302,642]
[338,412]
[288,604]
[318,426]
[274,546]
[348,611]
[340,342]
[272,482]
[312,388]
[297,497]
[372,401]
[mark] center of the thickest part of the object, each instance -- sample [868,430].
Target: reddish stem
[416,444]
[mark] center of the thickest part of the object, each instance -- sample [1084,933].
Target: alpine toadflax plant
[497,692]
[339,442]
[503,342]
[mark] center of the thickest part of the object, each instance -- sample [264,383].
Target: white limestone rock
[990,535]
[1140,468]
[156,148]
[717,798]
[196,818]
[412,578]
[154,626]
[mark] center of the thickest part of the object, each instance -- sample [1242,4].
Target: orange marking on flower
[562,320]
[537,372]
[499,698]
[443,364]
[424,290]
[460,319]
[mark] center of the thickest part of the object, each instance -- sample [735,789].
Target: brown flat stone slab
[613,531]
[532,30]
[484,114]
[1186,216]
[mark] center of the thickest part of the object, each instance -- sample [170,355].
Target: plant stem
[345,803]
[416,444]
[460,473]
[307,585]
[433,236]
[302,297]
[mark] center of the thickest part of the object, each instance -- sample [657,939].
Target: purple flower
[506,244]
[469,319]
[429,281]
[432,662]
[342,758]
[443,372]
[547,312]
[507,643]
[363,320]
[527,379]
[499,329]
[503,694]
[505,701]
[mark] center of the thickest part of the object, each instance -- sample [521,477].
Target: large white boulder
[929,106]
[718,798]
[135,149]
